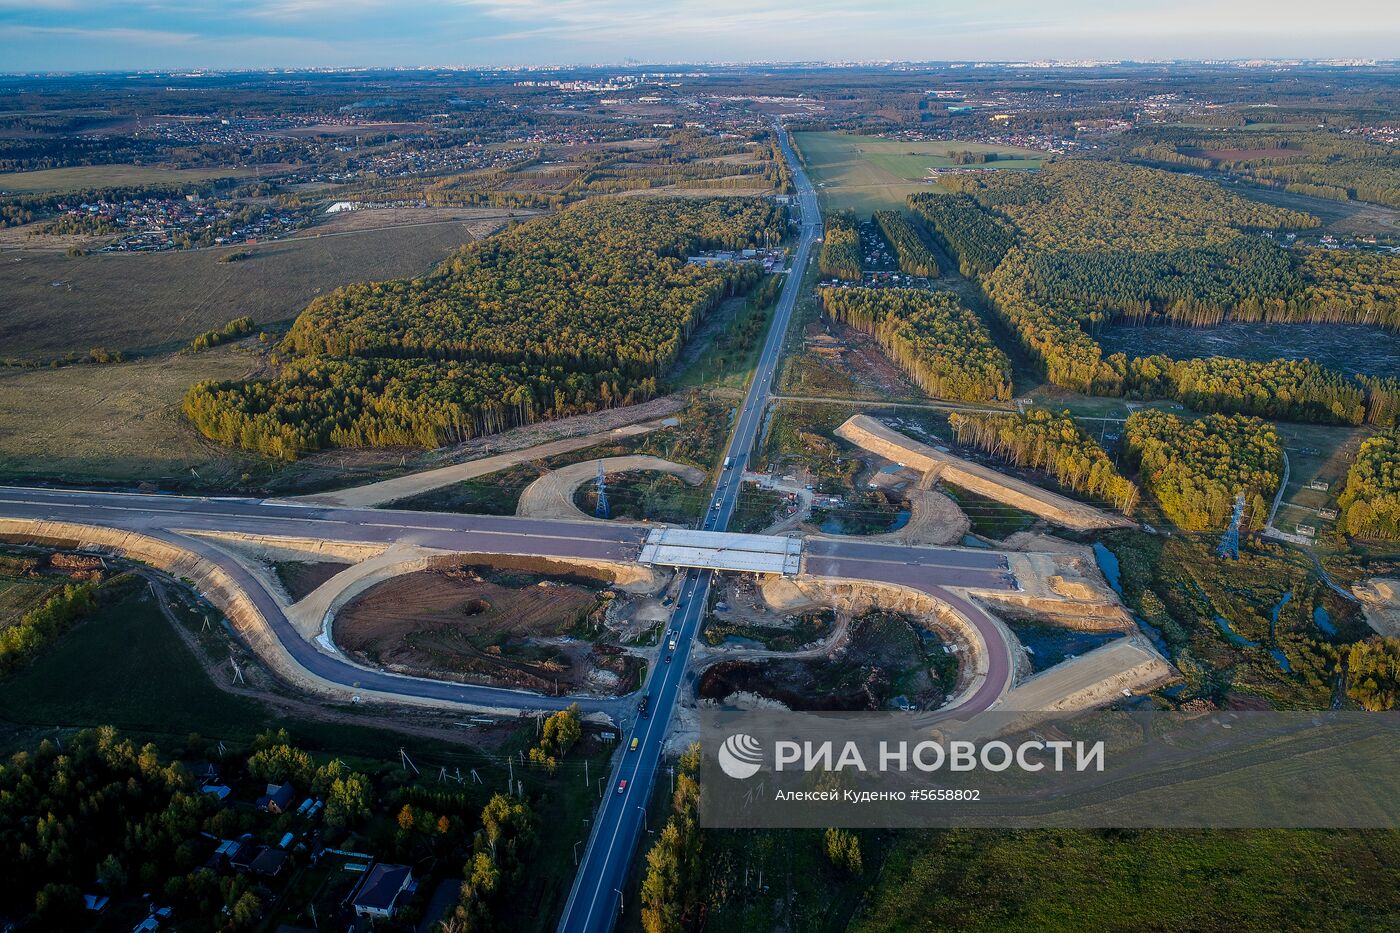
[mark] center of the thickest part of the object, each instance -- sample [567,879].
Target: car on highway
[668,659]
[644,706]
[622,785]
[635,742]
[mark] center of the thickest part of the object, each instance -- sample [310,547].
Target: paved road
[162,516]
[594,901]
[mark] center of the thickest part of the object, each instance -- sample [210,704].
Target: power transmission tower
[1230,543]
[237,671]
[602,510]
[406,762]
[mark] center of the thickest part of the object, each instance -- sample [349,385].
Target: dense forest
[908,244]
[840,252]
[1081,205]
[977,238]
[569,313]
[1194,469]
[1120,242]
[1052,442]
[1373,673]
[1304,159]
[1294,390]
[1370,501]
[940,343]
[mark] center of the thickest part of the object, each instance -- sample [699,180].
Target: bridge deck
[718,550]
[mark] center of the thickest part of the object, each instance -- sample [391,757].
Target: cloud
[100,34]
[232,33]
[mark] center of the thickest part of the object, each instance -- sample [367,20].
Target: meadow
[154,301]
[867,173]
[83,177]
[114,423]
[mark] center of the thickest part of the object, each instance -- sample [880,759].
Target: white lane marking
[194,514]
[691,603]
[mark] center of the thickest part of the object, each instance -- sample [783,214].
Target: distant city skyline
[98,35]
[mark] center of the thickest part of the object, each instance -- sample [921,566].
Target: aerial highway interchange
[192,523]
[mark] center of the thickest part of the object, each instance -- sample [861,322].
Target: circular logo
[740,756]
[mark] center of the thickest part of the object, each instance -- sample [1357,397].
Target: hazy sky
[136,34]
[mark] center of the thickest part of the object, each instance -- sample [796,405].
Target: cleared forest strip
[404,487]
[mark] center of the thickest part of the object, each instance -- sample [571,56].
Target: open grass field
[1136,880]
[126,667]
[114,423]
[81,177]
[867,173]
[142,301]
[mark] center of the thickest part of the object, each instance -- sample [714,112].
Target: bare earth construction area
[479,625]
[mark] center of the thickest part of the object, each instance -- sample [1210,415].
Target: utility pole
[602,510]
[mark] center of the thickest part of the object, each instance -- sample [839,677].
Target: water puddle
[1112,572]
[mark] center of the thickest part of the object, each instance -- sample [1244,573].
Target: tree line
[1195,468]
[908,244]
[942,345]
[1293,390]
[976,238]
[239,327]
[1063,282]
[1370,501]
[39,626]
[673,889]
[1052,442]
[569,313]
[840,253]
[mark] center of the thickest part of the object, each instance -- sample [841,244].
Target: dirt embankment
[1063,585]
[552,495]
[868,433]
[1380,603]
[520,445]
[934,518]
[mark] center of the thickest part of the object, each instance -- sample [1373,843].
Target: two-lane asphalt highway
[594,901]
[170,518]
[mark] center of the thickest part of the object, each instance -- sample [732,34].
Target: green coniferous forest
[581,310]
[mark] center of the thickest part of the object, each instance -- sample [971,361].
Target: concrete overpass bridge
[205,540]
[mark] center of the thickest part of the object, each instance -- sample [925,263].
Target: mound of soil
[885,657]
